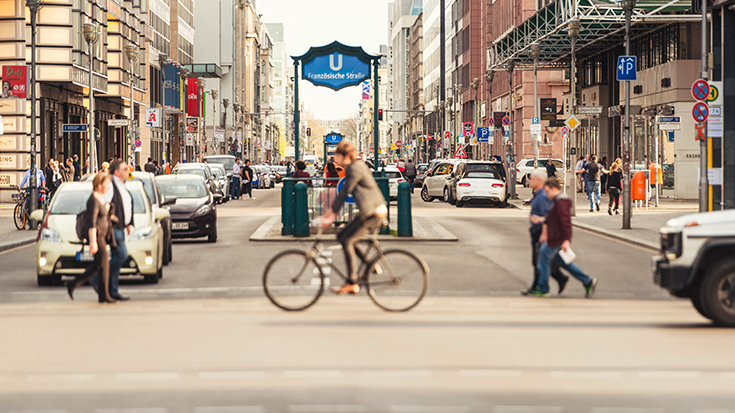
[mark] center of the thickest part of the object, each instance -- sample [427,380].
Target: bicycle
[22,210]
[294,279]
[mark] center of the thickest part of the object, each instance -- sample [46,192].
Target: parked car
[280,173]
[479,181]
[204,172]
[395,177]
[420,172]
[150,185]
[228,161]
[60,253]
[223,183]
[525,166]
[269,175]
[436,181]
[194,215]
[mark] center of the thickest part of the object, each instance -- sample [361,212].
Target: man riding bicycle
[359,183]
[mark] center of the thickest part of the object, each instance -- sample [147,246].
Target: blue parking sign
[627,68]
[484,134]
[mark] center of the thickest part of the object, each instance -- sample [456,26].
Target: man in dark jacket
[556,236]
[410,173]
[77,169]
[123,201]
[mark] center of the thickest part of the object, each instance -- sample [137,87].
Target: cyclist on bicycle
[26,181]
[359,183]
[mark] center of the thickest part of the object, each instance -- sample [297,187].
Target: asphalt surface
[491,258]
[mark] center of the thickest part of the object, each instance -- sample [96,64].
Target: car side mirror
[161,214]
[37,215]
[169,201]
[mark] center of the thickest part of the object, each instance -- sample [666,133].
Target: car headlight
[50,235]
[204,209]
[141,234]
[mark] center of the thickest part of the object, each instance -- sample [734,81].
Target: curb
[16,244]
[605,233]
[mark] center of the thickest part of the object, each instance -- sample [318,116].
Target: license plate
[85,256]
[180,225]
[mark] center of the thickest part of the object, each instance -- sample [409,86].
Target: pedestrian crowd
[593,178]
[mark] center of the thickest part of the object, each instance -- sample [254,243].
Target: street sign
[118,122]
[700,128]
[669,126]
[572,122]
[340,184]
[138,143]
[700,112]
[70,127]
[589,110]
[535,129]
[564,132]
[715,110]
[535,120]
[333,138]
[506,121]
[484,134]
[459,153]
[447,135]
[669,119]
[219,135]
[548,109]
[669,123]
[714,93]
[700,90]
[398,144]
[153,117]
[473,140]
[469,129]
[627,68]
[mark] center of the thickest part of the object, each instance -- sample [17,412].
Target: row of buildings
[457,61]
[207,78]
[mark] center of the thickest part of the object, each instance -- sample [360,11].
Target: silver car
[223,183]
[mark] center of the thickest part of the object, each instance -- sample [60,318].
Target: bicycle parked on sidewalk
[22,210]
[395,279]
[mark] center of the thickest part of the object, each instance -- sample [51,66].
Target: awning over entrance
[602,27]
[205,70]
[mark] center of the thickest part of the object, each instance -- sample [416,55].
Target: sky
[318,22]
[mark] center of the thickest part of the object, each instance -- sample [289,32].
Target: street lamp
[535,53]
[33,6]
[510,66]
[475,117]
[573,33]
[132,52]
[628,6]
[201,131]
[214,94]
[90,36]
[162,62]
[183,147]
[489,77]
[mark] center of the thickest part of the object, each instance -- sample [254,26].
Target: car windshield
[183,188]
[72,202]
[228,163]
[217,172]
[392,175]
[148,188]
[191,171]
[481,175]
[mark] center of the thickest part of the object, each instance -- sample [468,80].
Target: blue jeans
[118,256]
[548,253]
[593,191]
[235,187]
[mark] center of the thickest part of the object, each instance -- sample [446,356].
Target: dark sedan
[194,215]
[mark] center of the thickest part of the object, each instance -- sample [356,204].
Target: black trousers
[411,180]
[247,189]
[535,245]
[101,265]
[348,237]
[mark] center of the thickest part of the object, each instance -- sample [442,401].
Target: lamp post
[475,117]
[573,32]
[225,103]
[235,125]
[215,144]
[162,62]
[33,6]
[628,6]
[511,150]
[450,108]
[452,101]
[535,53]
[489,77]
[132,52]
[201,131]
[184,74]
[90,36]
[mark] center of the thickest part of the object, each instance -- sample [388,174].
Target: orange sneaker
[347,289]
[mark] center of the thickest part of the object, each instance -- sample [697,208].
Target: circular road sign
[564,132]
[138,143]
[700,90]
[506,120]
[700,112]
[714,93]
[340,184]
[398,144]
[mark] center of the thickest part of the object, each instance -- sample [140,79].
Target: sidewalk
[645,225]
[11,237]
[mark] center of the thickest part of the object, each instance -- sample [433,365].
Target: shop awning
[602,27]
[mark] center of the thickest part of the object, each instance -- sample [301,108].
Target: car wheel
[717,293]
[425,195]
[165,259]
[459,204]
[213,236]
[503,204]
[46,280]
[153,278]
[524,181]
[170,250]
[696,298]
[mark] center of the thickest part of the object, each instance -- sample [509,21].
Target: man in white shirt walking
[236,180]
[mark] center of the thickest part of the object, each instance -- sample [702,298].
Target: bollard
[301,213]
[287,207]
[405,224]
[385,189]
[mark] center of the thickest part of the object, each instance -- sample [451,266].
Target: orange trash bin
[638,186]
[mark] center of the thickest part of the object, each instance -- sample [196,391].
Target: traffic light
[308,131]
[380,114]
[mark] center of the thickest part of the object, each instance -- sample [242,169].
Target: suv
[697,261]
[482,181]
[525,167]
[436,180]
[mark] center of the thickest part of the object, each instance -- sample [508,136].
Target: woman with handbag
[99,221]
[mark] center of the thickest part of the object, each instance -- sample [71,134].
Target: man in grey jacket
[359,183]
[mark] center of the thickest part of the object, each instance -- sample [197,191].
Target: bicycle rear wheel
[293,281]
[397,280]
[19,216]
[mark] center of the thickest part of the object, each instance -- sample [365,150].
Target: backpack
[82,226]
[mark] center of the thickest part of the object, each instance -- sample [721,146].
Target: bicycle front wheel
[397,280]
[19,216]
[293,281]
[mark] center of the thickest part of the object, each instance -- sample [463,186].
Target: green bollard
[287,207]
[301,221]
[405,224]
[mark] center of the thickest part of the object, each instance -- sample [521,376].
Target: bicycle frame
[315,254]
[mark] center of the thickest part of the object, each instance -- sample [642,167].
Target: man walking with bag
[410,172]
[556,236]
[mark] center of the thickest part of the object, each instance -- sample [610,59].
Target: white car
[525,166]
[222,181]
[480,182]
[437,180]
[59,252]
[395,177]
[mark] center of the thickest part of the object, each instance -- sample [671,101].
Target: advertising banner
[366,90]
[153,117]
[192,125]
[15,82]
[192,97]
[172,86]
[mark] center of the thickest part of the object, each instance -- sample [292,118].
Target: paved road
[491,258]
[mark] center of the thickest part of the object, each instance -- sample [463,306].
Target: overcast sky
[318,22]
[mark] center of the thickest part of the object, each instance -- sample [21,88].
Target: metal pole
[376,131]
[573,138]
[90,128]
[164,122]
[33,184]
[296,114]
[511,145]
[535,111]
[627,204]
[703,158]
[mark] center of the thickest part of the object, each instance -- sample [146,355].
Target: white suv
[436,181]
[525,166]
